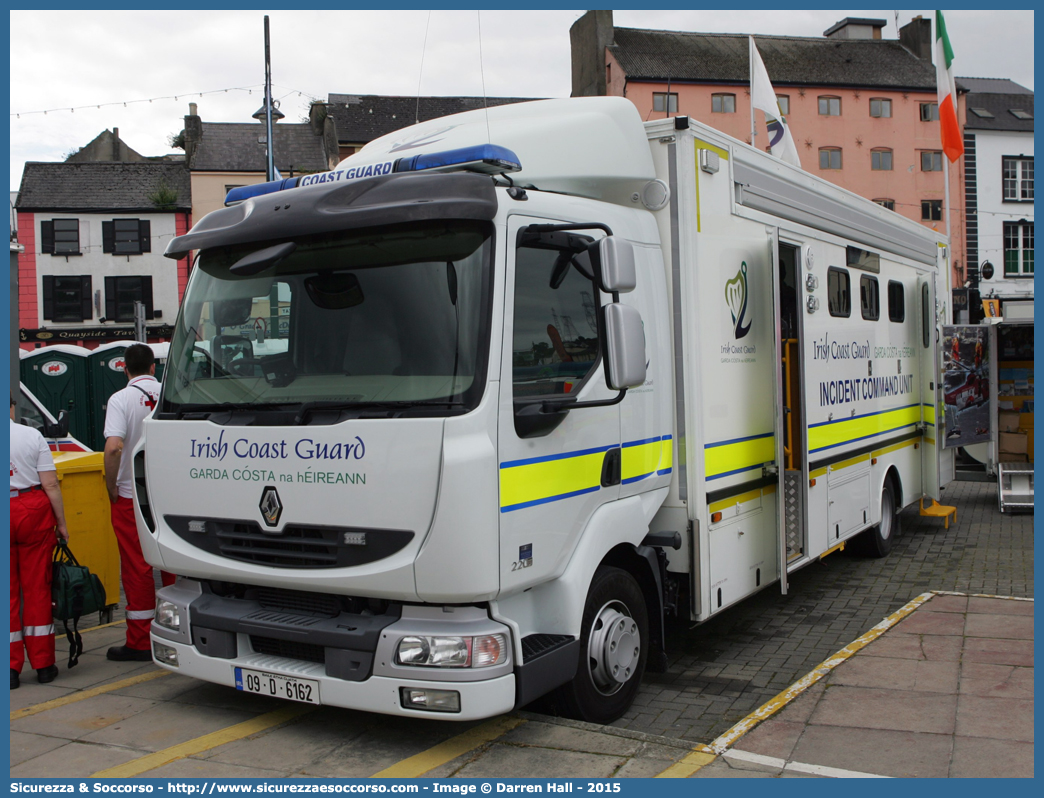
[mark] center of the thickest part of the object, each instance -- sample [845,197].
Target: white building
[998,145]
[94,235]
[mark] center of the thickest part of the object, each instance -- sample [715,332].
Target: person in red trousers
[124,415]
[37,515]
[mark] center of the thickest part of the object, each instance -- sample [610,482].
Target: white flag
[763,97]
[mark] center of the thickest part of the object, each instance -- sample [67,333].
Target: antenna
[482,72]
[269,144]
[424,48]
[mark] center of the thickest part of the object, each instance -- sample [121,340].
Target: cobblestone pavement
[721,671]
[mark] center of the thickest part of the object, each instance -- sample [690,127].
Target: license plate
[275,684]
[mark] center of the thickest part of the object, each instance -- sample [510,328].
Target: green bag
[75,591]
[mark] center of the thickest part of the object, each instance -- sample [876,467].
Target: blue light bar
[259,189]
[483,158]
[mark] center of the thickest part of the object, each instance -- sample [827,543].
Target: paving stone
[884,752]
[26,746]
[996,681]
[83,718]
[506,761]
[161,726]
[899,674]
[948,604]
[976,758]
[869,708]
[999,606]
[206,769]
[998,652]
[1017,627]
[996,718]
[925,622]
[74,760]
[545,735]
[775,737]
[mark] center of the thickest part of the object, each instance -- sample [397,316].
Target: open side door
[780,420]
[932,417]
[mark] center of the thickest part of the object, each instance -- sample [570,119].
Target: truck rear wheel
[614,644]
[877,541]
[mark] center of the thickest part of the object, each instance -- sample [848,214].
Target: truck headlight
[436,651]
[168,615]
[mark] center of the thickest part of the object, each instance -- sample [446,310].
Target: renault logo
[270,506]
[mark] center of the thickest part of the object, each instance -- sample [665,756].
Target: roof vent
[1018,113]
[982,113]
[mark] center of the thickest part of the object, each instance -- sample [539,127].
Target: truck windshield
[395,317]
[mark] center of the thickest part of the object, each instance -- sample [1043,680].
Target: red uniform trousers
[139,584]
[32,545]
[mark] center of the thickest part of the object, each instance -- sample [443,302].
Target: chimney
[193,133]
[856,28]
[916,36]
[116,144]
[317,113]
[588,38]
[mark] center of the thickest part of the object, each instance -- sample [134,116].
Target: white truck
[458,424]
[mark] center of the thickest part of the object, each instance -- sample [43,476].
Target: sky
[139,70]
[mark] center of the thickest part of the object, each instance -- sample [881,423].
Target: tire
[614,645]
[876,542]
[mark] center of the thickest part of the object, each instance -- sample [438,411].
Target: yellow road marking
[689,765]
[72,698]
[419,764]
[237,732]
[704,755]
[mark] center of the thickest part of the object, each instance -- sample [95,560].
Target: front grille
[298,602]
[299,547]
[296,546]
[288,649]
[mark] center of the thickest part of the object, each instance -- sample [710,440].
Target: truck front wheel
[614,644]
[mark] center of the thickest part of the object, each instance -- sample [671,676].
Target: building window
[839,293]
[723,103]
[1018,179]
[784,103]
[126,236]
[881,161]
[886,203]
[830,158]
[880,107]
[60,237]
[931,161]
[67,298]
[931,210]
[869,298]
[929,112]
[122,292]
[896,302]
[665,103]
[830,106]
[1018,249]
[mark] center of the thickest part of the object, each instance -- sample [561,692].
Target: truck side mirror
[613,260]
[59,429]
[625,339]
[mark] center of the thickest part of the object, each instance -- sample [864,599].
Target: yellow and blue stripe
[725,458]
[540,480]
[831,434]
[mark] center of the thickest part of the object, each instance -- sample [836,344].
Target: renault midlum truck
[458,423]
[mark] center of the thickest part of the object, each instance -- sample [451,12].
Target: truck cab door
[555,469]
[932,417]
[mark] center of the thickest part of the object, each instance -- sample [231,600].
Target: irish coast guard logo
[736,299]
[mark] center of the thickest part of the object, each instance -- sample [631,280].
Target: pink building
[862,109]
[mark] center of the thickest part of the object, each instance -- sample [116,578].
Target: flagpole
[750,73]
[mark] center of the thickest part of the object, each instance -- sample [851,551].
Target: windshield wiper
[308,408]
[221,407]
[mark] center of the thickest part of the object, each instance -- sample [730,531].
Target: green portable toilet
[105,367]
[58,376]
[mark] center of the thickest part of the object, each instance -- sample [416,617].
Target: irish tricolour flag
[952,144]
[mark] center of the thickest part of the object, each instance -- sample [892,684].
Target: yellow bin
[82,478]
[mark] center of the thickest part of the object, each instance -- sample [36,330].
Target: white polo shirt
[123,416]
[29,456]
